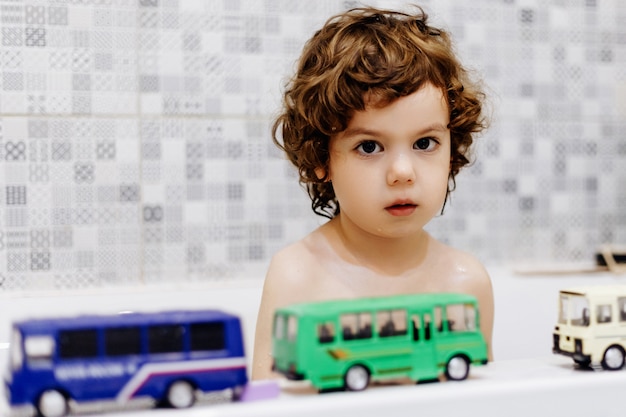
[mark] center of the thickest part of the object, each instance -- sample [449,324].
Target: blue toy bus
[56,364]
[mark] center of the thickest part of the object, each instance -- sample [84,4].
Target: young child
[378,119]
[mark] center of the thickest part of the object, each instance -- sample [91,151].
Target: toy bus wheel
[357,378]
[613,358]
[181,395]
[585,363]
[236,393]
[52,403]
[457,368]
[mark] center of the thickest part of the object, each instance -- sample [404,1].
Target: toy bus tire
[457,368]
[236,392]
[583,363]
[357,378]
[181,394]
[52,403]
[613,358]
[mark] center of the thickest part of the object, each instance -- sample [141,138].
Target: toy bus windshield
[573,309]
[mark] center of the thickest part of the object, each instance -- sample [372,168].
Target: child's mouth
[401,209]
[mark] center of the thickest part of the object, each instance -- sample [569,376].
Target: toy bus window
[279,327]
[326,332]
[207,336]
[461,317]
[438,319]
[603,314]
[621,302]
[427,326]
[356,326]
[78,343]
[391,323]
[470,317]
[415,319]
[621,305]
[563,304]
[292,328]
[121,341]
[38,348]
[579,307]
[165,338]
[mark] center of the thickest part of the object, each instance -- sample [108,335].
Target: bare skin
[389,169]
[312,270]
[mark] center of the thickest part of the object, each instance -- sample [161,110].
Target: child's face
[390,167]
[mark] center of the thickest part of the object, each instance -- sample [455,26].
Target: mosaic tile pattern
[135,148]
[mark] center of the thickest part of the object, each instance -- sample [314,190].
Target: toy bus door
[424,362]
[609,318]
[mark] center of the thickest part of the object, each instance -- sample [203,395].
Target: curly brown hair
[361,53]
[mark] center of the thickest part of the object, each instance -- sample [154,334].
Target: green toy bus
[345,343]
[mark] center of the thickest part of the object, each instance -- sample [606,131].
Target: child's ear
[320,173]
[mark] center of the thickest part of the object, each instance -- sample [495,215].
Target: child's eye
[368,147]
[425,144]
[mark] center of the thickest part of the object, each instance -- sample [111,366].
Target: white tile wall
[135,147]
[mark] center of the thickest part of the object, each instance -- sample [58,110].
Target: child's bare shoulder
[295,263]
[466,270]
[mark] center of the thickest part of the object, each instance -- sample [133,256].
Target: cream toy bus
[591,326]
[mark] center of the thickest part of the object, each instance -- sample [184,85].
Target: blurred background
[135,144]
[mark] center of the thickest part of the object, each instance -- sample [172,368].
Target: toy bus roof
[323,308]
[597,290]
[122,319]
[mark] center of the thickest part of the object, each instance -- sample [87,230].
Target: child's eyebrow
[357,130]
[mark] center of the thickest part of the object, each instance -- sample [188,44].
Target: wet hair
[364,53]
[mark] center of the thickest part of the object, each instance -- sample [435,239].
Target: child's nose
[401,170]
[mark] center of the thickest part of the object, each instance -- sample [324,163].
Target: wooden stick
[608,253]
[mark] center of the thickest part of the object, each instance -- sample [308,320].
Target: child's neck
[387,256]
